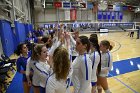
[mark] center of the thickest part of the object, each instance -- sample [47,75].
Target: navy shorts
[93,83]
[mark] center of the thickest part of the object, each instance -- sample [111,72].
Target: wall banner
[73,14]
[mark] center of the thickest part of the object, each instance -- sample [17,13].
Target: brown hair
[61,62]
[106,43]
[37,51]
[19,48]
[94,42]
[85,41]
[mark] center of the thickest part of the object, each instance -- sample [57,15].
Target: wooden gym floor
[124,48]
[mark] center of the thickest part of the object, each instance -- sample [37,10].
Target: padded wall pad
[6,37]
[14,38]
[20,32]
[27,29]
[30,27]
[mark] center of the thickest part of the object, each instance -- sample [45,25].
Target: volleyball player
[106,65]
[23,53]
[82,67]
[131,34]
[56,83]
[95,56]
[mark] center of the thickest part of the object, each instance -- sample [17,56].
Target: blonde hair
[37,51]
[61,64]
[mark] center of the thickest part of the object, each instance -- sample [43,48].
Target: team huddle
[65,59]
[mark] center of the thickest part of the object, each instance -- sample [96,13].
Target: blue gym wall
[20,32]
[26,29]
[11,37]
[6,37]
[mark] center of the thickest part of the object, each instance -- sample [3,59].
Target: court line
[124,84]
[118,47]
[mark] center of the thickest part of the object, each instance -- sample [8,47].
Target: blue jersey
[21,65]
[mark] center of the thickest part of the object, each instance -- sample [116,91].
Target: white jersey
[68,81]
[31,65]
[106,64]
[55,86]
[43,71]
[82,70]
[28,66]
[69,77]
[95,58]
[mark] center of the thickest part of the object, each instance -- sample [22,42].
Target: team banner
[104,15]
[79,14]
[89,5]
[66,5]
[82,5]
[110,7]
[73,14]
[84,15]
[99,15]
[120,15]
[109,15]
[67,15]
[113,15]
[57,4]
[49,5]
[89,14]
[74,4]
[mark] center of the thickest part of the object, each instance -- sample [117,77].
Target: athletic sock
[107,91]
